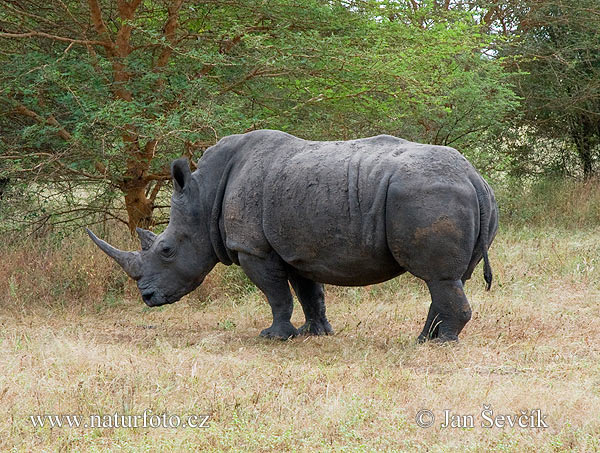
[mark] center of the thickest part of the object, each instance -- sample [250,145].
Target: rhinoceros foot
[441,338]
[280,331]
[316,327]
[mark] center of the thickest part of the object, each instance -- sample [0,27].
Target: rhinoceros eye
[167,251]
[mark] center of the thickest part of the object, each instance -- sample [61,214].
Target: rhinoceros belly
[324,214]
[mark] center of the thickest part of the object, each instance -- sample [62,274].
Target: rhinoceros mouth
[155,299]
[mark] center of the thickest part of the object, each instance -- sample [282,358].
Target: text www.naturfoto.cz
[145,420]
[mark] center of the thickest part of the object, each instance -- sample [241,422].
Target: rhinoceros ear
[180,171]
[147,237]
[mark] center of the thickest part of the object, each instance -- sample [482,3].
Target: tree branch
[488,18]
[55,160]
[158,177]
[51,120]
[169,33]
[155,190]
[99,25]
[41,34]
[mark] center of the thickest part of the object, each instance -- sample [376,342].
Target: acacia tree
[98,90]
[104,93]
[557,44]
[551,48]
[99,52]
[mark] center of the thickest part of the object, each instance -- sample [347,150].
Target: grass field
[75,338]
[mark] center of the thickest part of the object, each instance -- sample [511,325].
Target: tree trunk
[136,178]
[135,182]
[139,207]
[586,159]
[583,131]
[585,155]
[3,184]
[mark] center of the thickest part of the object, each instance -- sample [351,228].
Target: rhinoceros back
[321,206]
[310,201]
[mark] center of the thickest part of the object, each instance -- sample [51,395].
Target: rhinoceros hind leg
[311,297]
[270,276]
[432,327]
[448,313]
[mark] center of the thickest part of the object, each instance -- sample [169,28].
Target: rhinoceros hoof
[281,331]
[316,327]
[437,339]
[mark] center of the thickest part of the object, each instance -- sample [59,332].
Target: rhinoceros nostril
[147,297]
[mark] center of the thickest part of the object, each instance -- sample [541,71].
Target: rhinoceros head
[175,262]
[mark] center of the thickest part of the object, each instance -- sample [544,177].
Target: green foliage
[426,83]
[320,70]
[557,49]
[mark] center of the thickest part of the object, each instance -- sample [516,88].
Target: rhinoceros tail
[487,270]
[484,198]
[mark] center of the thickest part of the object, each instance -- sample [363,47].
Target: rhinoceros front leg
[311,297]
[448,313]
[270,276]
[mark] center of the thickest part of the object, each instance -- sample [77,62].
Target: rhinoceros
[308,213]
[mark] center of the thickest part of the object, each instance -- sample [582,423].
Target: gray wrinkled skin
[291,211]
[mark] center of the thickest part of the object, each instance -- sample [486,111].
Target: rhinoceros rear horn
[147,237]
[129,261]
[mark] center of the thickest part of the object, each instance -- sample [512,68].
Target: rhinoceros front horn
[129,261]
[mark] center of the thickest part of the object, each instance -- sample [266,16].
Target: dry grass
[76,338]
[550,202]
